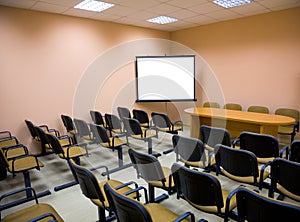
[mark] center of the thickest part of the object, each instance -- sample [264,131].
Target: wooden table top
[241,116]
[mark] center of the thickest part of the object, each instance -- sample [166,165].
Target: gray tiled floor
[73,206]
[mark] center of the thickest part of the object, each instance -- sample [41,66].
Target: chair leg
[103,218]
[152,198]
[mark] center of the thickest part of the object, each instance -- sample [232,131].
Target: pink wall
[255,59]
[43,58]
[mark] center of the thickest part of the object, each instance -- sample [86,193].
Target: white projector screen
[165,78]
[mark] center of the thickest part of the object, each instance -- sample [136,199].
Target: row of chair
[283,130]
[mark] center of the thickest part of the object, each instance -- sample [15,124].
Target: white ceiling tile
[186,3]
[41,6]
[18,3]
[163,9]
[135,12]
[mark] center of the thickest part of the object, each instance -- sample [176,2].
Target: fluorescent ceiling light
[162,20]
[231,3]
[93,5]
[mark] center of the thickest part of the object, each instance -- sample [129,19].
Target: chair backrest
[88,182]
[290,113]
[161,120]
[132,126]
[41,135]
[54,143]
[126,209]
[295,151]
[284,172]
[197,187]
[123,112]
[252,206]
[112,121]
[189,149]
[141,116]
[213,135]
[258,109]
[147,166]
[31,129]
[97,117]
[99,132]
[236,162]
[68,122]
[211,104]
[262,145]
[82,127]
[233,106]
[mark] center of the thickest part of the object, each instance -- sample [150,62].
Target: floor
[73,206]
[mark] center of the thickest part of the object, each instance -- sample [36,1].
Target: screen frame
[165,100]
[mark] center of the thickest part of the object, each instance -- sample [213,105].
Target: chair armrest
[102,166]
[262,170]
[126,184]
[137,193]
[151,128]
[43,216]
[6,132]
[228,199]
[19,191]
[235,141]
[286,150]
[185,215]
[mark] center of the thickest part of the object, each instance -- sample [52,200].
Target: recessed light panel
[93,5]
[162,20]
[231,3]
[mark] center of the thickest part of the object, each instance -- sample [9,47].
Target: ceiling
[190,13]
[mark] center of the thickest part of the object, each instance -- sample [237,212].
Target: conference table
[235,121]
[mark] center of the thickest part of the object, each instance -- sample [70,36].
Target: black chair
[35,135]
[97,118]
[203,191]
[240,165]
[211,104]
[123,112]
[265,147]
[113,143]
[142,117]
[70,152]
[113,124]
[128,210]
[22,164]
[290,130]
[211,136]
[254,207]
[285,179]
[35,212]
[83,131]
[190,151]
[148,167]
[94,190]
[133,129]
[69,125]
[294,154]
[162,122]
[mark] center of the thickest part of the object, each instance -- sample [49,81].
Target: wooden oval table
[235,121]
